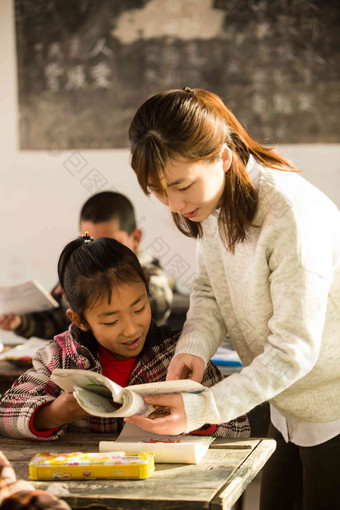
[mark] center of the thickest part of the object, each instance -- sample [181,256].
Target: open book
[100,396]
[181,449]
[25,351]
[25,298]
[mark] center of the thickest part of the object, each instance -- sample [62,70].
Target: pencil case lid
[76,465]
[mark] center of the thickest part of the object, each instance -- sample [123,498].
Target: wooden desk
[216,483]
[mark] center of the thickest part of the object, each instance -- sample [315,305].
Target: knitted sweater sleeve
[301,264]
[291,352]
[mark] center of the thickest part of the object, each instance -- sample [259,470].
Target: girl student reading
[111,333]
[104,214]
[268,274]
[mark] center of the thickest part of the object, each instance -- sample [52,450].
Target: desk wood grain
[215,483]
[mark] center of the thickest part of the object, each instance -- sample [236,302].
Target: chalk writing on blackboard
[85,66]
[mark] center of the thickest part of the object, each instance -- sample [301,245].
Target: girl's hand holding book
[64,409]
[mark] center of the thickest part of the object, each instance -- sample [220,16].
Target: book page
[157,388]
[69,379]
[97,394]
[105,407]
[178,449]
[132,432]
[100,396]
[27,297]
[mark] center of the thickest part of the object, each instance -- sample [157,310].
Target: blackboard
[84,66]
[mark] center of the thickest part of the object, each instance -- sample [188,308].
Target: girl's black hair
[89,269]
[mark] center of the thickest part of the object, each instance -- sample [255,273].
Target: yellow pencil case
[78,465]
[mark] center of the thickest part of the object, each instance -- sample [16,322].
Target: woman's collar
[253,171]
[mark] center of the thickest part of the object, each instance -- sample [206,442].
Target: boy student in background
[111,333]
[105,214]
[268,274]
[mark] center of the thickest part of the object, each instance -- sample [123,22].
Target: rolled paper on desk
[166,452]
[180,449]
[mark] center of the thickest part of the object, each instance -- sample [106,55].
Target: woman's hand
[169,417]
[186,366]
[10,322]
[64,409]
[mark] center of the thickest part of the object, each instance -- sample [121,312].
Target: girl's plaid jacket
[77,349]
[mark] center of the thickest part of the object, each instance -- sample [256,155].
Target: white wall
[41,193]
[40,199]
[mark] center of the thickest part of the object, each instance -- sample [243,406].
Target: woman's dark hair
[194,125]
[89,269]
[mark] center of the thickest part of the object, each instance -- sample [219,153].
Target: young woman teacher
[268,275]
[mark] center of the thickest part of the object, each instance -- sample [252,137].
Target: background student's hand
[169,417]
[10,321]
[64,409]
[186,366]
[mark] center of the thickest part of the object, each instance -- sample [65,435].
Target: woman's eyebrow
[174,183]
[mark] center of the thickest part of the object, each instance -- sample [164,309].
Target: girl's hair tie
[87,238]
[188,89]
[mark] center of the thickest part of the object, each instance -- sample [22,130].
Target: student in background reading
[106,214]
[268,274]
[111,333]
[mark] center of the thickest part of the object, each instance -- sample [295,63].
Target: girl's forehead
[121,291]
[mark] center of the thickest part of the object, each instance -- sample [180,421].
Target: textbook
[24,352]
[26,297]
[180,449]
[102,397]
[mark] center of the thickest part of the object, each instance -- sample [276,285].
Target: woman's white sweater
[278,298]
